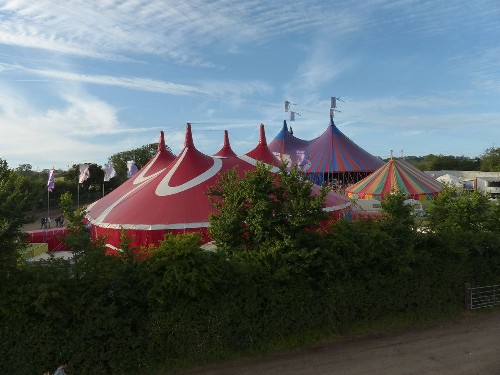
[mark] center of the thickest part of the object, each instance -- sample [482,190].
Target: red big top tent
[334,203]
[173,198]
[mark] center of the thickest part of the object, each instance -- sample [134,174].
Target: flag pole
[48,204]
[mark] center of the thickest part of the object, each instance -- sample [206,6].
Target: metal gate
[481,296]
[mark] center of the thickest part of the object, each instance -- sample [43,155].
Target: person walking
[61,369]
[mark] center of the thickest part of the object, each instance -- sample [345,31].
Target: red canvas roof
[175,198]
[158,163]
[261,152]
[226,151]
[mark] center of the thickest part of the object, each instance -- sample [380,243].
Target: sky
[83,80]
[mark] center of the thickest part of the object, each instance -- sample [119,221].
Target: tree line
[278,278]
[35,182]
[488,161]
[94,187]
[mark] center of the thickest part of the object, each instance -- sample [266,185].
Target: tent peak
[188,142]
[285,127]
[262,138]
[161,142]
[226,150]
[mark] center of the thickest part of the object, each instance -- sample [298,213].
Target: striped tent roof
[395,175]
[331,152]
[285,144]
[334,152]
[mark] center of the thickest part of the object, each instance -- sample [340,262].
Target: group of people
[46,221]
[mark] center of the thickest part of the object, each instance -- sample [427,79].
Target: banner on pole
[131,168]
[84,173]
[109,172]
[50,182]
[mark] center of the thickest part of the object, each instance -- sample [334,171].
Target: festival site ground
[468,345]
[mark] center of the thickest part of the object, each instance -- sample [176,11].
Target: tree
[139,155]
[264,211]
[89,189]
[457,211]
[433,162]
[14,204]
[490,160]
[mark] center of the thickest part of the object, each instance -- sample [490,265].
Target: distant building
[487,182]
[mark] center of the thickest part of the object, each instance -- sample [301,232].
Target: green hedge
[183,306]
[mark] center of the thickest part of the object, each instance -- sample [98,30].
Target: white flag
[131,168]
[50,182]
[84,173]
[287,105]
[109,172]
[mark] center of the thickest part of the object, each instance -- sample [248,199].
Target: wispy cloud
[227,89]
[171,29]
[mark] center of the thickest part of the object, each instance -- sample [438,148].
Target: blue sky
[82,80]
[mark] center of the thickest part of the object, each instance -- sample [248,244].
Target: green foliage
[265,212]
[14,204]
[142,311]
[457,211]
[139,155]
[77,234]
[490,160]
[399,219]
[182,266]
[433,162]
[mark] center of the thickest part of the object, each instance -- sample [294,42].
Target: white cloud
[57,135]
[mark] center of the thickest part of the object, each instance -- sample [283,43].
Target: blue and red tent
[331,156]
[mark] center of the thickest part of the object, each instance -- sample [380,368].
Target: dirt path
[37,215]
[470,345]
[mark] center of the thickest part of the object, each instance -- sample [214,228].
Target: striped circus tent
[396,175]
[285,144]
[335,152]
[330,157]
